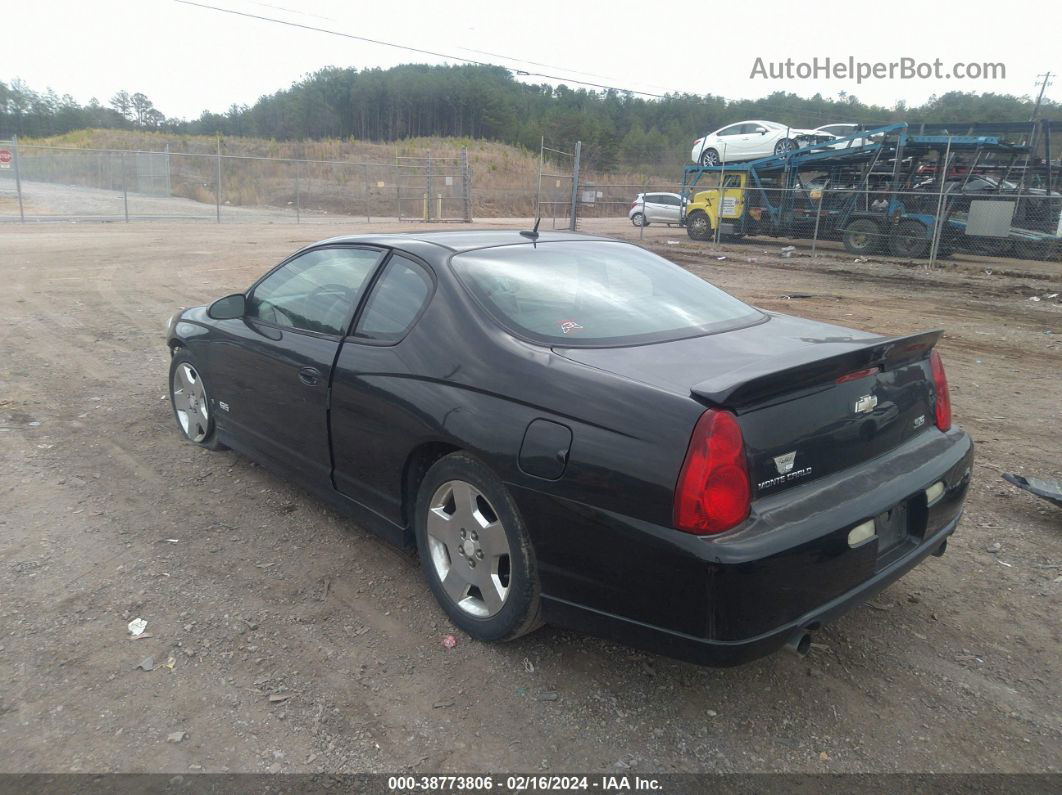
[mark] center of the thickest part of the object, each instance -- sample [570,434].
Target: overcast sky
[188,59]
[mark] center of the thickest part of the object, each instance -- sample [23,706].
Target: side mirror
[761,130]
[229,307]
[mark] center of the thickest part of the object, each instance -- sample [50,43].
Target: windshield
[579,293]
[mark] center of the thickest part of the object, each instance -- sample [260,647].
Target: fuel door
[544,452]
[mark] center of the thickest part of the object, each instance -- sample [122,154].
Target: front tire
[698,226]
[191,402]
[475,550]
[785,146]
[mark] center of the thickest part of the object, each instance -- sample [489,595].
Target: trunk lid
[811,398]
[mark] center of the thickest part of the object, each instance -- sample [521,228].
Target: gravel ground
[284,638]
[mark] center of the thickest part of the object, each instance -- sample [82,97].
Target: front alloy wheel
[190,402]
[785,146]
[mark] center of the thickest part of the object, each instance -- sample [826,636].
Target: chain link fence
[47,183]
[947,203]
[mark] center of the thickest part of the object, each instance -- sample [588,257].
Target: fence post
[641,226]
[934,243]
[541,168]
[575,187]
[217,195]
[466,180]
[298,193]
[125,187]
[18,181]
[368,209]
[722,195]
[427,203]
[818,214]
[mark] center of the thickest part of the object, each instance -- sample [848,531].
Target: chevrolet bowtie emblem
[865,404]
[785,462]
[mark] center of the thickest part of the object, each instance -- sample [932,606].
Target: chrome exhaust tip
[800,643]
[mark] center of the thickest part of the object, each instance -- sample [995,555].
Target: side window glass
[314,292]
[395,301]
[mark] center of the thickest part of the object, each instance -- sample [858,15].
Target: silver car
[656,208]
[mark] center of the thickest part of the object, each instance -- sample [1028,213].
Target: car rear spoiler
[815,366]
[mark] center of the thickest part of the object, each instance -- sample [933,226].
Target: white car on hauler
[749,140]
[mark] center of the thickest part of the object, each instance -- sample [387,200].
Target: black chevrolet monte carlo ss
[576,431]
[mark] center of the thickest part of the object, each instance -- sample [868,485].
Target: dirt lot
[301,643]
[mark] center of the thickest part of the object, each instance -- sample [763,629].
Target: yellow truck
[725,205]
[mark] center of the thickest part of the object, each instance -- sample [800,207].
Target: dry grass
[356,174]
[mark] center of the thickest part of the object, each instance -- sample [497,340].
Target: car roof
[462,239]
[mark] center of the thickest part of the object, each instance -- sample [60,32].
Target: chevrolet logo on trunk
[865,404]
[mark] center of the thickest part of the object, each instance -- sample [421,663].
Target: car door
[271,368]
[759,144]
[671,208]
[727,143]
[375,388]
[749,141]
[654,207]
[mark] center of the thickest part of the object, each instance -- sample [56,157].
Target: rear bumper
[728,599]
[704,651]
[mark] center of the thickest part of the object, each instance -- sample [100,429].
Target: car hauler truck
[886,189]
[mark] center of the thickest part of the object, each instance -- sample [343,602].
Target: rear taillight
[697,141]
[713,491]
[940,382]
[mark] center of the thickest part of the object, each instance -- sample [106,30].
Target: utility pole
[1045,81]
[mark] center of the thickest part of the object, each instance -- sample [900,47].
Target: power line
[432,53]
[550,66]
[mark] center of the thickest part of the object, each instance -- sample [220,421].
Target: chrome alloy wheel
[785,146]
[190,402]
[469,548]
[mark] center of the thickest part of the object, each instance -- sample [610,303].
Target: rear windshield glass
[596,293]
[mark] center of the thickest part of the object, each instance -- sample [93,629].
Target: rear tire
[638,219]
[475,550]
[1035,250]
[709,157]
[862,236]
[909,239]
[698,226]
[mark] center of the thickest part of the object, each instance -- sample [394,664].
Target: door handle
[310,376]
